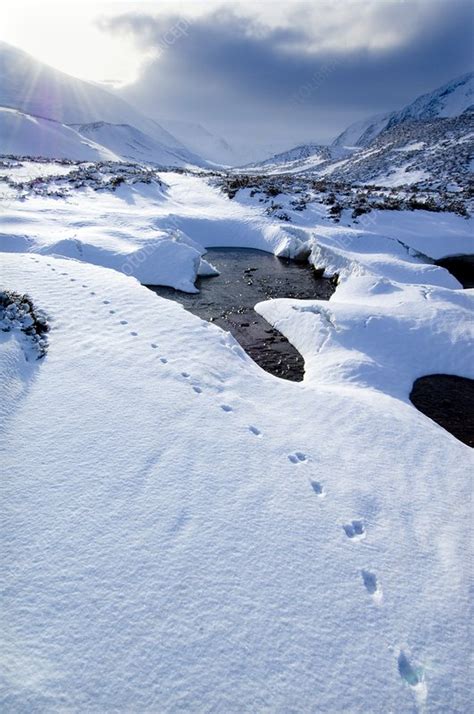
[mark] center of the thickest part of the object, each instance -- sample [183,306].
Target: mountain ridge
[38,90]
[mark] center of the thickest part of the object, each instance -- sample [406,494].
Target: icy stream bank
[246,277]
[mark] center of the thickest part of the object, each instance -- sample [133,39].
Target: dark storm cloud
[228,69]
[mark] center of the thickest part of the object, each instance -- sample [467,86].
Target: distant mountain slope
[438,151]
[39,90]
[367,128]
[430,140]
[24,135]
[130,143]
[307,157]
[203,142]
[452,99]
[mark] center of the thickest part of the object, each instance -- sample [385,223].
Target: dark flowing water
[449,401]
[247,277]
[461,266]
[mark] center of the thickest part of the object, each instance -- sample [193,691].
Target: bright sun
[66,36]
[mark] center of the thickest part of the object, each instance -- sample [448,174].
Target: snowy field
[185,532]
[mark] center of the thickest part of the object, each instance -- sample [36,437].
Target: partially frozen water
[461,266]
[248,276]
[449,401]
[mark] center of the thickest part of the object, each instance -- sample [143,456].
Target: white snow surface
[185,532]
[401,177]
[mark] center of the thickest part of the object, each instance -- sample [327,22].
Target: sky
[276,73]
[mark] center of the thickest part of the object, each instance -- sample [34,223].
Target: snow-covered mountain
[36,89]
[429,140]
[450,100]
[128,142]
[437,151]
[203,142]
[25,135]
[306,157]
[367,128]
[298,153]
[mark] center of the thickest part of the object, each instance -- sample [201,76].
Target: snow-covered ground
[185,532]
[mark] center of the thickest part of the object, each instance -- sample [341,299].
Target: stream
[248,276]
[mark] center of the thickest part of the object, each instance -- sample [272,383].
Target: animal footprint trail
[226,408]
[355,530]
[253,430]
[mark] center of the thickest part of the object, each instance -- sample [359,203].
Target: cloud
[307,75]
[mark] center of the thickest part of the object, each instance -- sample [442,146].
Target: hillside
[437,151]
[128,142]
[450,100]
[35,88]
[428,142]
[24,135]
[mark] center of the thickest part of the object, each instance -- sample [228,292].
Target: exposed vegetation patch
[103,175]
[295,193]
[18,313]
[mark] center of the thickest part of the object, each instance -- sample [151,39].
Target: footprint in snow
[92,293]
[134,334]
[413,676]
[105,302]
[73,280]
[85,286]
[226,408]
[111,312]
[298,457]
[372,585]
[123,322]
[154,345]
[355,530]
[255,431]
[318,489]
[164,360]
[198,390]
[186,375]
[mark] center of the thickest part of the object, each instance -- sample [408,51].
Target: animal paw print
[318,489]
[298,457]
[355,530]
[414,676]
[372,585]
